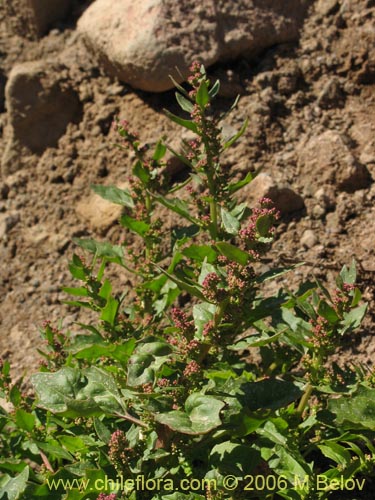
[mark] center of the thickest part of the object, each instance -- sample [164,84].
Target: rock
[100,214]
[32,18]
[142,43]
[308,239]
[284,198]
[40,104]
[326,159]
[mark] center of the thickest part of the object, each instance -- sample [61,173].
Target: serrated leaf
[114,194]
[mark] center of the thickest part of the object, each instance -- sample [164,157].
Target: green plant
[162,399]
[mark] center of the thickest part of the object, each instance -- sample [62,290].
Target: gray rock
[32,18]
[142,43]
[40,105]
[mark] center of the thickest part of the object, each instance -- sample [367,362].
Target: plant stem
[305,398]
[213,215]
[132,419]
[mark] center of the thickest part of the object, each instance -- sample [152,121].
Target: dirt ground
[311,109]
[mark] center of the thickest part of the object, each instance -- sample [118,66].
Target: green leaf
[120,352]
[202,314]
[263,225]
[178,206]
[214,90]
[74,393]
[109,312]
[233,139]
[101,249]
[102,431]
[114,194]
[200,252]
[160,150]
[353,318]
[276,273]
[193,290]
[25,420]
[255,341]
[141,172]
[230,223]
[357,411]
[232,188]
[233,253]
[327,312]
[336,452]
[349,275]
[184,103]
[182,159]
[202,98]
[77,291]
[233,458]
[145,362]
[269,394]
[137,226]
[15,486]
[72,444]
[188,124]
[202,415]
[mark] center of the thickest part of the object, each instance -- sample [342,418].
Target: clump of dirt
[311,109]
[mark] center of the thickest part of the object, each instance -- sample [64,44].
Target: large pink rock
[143,42]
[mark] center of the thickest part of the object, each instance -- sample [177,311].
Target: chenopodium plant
[193,383]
